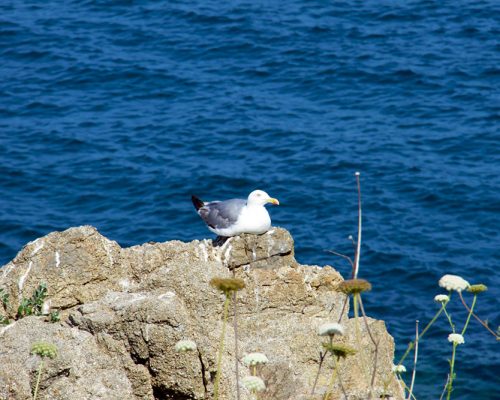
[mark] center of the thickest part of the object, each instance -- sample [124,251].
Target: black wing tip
[197,202]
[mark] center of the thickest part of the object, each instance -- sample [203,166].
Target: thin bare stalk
[321,359]
[221,348]
[343,308]
[476,317]
[358,244]
[343,256]
[353,243]
[445,387]
[414,361]
[40,368]
[411,345]
[375,343]
[352,268]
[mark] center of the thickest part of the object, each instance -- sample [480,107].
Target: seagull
[236,216]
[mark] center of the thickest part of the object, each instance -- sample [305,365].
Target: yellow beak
[273,201]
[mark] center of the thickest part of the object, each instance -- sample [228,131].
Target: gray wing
[221,214]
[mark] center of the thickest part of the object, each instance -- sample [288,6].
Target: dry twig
[414,362]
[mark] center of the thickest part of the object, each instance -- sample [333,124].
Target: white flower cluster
[330,329]
[252,359]
[183,346]
[398,369]
[254,383]
[453,282]
[456,338]
[442,298]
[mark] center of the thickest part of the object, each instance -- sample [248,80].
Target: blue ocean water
[112,113]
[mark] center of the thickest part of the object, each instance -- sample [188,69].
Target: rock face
[124,309]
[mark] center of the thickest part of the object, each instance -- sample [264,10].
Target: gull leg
[219,241]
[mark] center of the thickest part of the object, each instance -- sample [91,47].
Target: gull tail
[197,202]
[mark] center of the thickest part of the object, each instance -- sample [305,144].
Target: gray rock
[124,309]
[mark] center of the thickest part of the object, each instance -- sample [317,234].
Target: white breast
[253,219]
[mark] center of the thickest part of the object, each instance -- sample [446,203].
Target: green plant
[226,286]
[254,384]
[451,283]
[54,316]
[337,351]
[330,330]
[34,304]
[42,349]
[4,297]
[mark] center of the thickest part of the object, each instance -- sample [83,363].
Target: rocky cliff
[123,310]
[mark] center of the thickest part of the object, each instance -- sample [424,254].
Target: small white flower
[398,369]
[254,383]
[453,282]
[441,298]
[183,346]
[455,338]
[331,329]
[255,359]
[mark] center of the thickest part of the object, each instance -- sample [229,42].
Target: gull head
[260,198]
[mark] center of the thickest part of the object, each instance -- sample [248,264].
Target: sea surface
[112,113]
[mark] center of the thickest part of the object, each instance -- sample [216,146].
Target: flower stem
[475,316]
[449,318]
[346,299]
[332,380]
[221,348]
[375,344]
[236,356]
[414,361]
[358,242]
[445,387]
[321,359]
[411,345]
[452,369]
[355,304]
[430,323]
[40,367]
[406,387]
[356,315]
[470,314]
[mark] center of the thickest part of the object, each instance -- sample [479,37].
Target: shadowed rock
[123,310]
